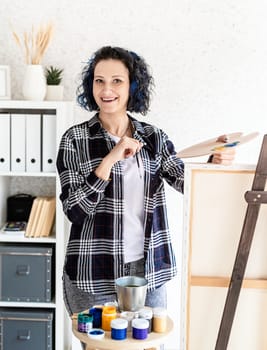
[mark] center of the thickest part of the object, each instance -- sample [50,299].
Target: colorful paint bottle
[129,316]
[159,320]
[108,314]
[85,322]
[96,333]
[119,329]
[147,313]
[140,328]
[97,316]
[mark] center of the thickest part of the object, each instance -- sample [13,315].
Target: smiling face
[111,87]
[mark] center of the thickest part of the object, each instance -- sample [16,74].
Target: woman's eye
[117,81]
[98,81]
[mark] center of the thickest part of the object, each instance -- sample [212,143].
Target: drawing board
[214,212]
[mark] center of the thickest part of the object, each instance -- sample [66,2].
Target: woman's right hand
[125,148]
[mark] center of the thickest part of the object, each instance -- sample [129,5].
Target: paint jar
[97,316]
[112,303]
[147,313]
[119,329]
[85,322]
[96,333]
[140,328]
[159,319]
[108,314]
[129,316]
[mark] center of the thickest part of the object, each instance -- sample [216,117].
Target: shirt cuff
[95,182]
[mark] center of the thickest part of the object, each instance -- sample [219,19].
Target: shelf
[18,237]
[27,304]
[40,184]
[22,104]
[39,174]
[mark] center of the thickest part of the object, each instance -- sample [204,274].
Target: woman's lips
[108,99]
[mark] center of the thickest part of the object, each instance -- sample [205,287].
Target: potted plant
[54,91]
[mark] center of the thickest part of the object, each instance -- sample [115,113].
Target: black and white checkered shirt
[95,251]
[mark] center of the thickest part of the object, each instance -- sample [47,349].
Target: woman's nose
[107,87]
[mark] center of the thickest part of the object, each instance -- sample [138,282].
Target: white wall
[209,60]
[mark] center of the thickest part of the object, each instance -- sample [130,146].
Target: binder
[4,142]
[40,203]
[49,211]
[31,217]
[42,216]
[18,138]
[34,217]
[48,143]
[33,143]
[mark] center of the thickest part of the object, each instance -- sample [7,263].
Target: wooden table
[152,342]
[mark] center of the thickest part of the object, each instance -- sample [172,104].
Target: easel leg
[255,198]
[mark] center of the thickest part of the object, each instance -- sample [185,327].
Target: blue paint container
[119,329]
[97,316]
[140,328]
[96,333]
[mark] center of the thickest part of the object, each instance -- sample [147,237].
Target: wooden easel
[254,198]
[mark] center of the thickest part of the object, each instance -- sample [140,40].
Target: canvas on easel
[214,211]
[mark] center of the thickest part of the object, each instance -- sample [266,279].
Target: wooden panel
[204,281]
[214,214]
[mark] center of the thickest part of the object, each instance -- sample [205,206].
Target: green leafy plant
[53,75]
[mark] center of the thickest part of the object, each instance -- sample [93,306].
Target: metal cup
[131,292]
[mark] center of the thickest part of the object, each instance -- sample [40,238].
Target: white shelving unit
[42,182]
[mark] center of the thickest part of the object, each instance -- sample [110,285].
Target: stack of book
[41,217]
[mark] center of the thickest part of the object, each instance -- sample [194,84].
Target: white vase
[54,92]
[34,83]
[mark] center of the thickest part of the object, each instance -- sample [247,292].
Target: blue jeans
[77,300]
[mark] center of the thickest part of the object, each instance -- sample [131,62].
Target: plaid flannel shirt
[95,250]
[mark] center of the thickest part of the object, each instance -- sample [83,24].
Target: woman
[111,170]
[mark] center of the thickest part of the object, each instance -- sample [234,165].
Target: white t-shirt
[133,221]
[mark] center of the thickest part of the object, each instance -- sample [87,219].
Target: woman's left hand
[224,156]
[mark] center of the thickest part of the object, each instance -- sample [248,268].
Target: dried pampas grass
[34,43]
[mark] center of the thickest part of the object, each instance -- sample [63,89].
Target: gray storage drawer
[25,273]
[26,329]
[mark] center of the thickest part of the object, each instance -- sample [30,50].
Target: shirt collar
[95,125]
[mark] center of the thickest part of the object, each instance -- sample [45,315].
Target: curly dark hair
[141,81]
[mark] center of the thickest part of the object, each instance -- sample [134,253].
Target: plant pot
[34,83]
[54,92]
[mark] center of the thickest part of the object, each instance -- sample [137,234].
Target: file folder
[4,142]
[18,138]
[48,143]
[33,142]
[34,217]
[49,213]
[46,218]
